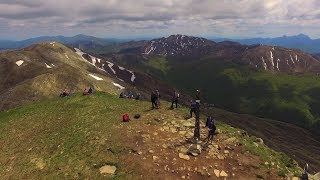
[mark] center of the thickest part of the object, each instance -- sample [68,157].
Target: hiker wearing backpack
[192,108]
[198,96]
[304,175]
[153,100]
[211,129]
[175,99]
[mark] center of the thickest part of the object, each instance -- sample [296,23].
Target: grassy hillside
[74,137]
[290,98]
[33,80]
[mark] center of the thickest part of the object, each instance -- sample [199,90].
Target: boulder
[216,172]
[194,150]
[108,170]
[259,140]
[183,156]
[155,158]
[223,174]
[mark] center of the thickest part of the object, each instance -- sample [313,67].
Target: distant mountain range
[269,58]
[81,41]
[300,41]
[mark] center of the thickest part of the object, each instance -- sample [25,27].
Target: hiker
[198,96]
[304,175]
[90,91]
[122,95]
[65,93]
[175,99]
[84,93]
[130,95]
[153,99]
[138,96]
[192,108]
[211,129]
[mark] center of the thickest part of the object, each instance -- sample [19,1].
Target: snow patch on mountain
[133,77]
[118,85]
[278,64]
[110,64]
[96,77]
[264,64]
[292,59]
[49,67]
[271,59]
[80,53]
[19,63]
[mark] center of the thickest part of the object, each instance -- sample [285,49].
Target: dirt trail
[157,142]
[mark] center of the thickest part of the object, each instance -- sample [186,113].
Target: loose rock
[183,156]
[217,172]
[108,169]
[223,174]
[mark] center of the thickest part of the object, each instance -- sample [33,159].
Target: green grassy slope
[73,137]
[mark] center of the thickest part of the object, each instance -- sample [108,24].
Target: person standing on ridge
[192,107]
[211,129]
[153,99]
[175,99]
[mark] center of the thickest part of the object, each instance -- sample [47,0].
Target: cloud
[228,18]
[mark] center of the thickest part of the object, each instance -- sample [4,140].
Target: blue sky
[20,19]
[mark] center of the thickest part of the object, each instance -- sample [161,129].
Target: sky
[21,19]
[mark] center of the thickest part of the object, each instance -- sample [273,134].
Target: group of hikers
[89,92]
[194,109]
[85,92]
[130,95]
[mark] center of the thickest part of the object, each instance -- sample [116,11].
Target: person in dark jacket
[211,129]
[138,96]
[192,108]
[153,99]
[175,99]
[90,91]
[65,93]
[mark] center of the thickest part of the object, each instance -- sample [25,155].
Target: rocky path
[163,149]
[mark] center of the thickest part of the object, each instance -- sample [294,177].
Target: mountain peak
[302,36]
[178,45]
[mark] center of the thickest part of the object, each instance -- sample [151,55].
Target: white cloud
[106,18]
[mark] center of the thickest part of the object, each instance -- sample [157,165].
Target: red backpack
[125,118]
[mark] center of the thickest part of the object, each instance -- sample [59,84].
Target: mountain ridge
[300,41]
